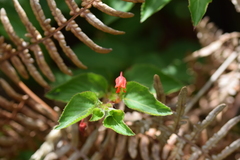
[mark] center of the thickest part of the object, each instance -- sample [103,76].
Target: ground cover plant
[74,87]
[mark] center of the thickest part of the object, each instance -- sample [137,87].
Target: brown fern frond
[217,137]
[132,146]
[48,29]
[51,139]
[135,1]
[179,114]
[210,117]
[94,21]
[227,151]
[120,149]
[9,70]
[236,3]
[155,151]
[144,147]
[158,88]
[111,11]
[35,36]
[221,133]
[86,147]
[17,63]
[24,55]
[207,32]
[20,57]
[21,119]
[20,98]
[9,106]
[74,28]
[179,119]
[91,18]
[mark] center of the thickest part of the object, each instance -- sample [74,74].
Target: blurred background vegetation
[162,41]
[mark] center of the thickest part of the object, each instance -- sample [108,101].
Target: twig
[38,100]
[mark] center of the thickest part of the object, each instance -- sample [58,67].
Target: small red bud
[82,126]
[120,83]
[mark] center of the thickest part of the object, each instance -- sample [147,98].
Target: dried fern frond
[48,30]
[20,43]
[207,32]
[222,52]
[217,137]
[179,114]
[179,119]
[228,150]
[221,133]
[146,144]
[34,36]
[159,88]
[26,100]
[210,117]
[135,1]
[23,120]
[21,56]
[111,11]
[132,146]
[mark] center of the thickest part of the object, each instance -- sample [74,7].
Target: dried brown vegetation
[25,118]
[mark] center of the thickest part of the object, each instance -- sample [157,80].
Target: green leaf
[143,73]
[80,106]
[139,98]
[149,7]
[197,9]
[97,114]
[83,82]
[114,121]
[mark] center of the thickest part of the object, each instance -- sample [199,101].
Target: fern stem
[54,114]
[7,56]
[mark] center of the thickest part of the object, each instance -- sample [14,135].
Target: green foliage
[80,106]
[143,74]
[97,114]
[25,154]
[139,98]
[114,120]
[198,9]
[83,82]
[150,7]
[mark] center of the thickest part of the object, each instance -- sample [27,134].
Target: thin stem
[38,100]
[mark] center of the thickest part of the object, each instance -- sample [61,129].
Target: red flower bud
[82,126]
[120,83]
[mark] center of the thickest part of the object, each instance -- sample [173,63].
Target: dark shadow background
[224,15]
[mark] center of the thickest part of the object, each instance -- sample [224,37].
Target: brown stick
[38,100]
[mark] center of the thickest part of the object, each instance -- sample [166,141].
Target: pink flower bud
[120,83]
